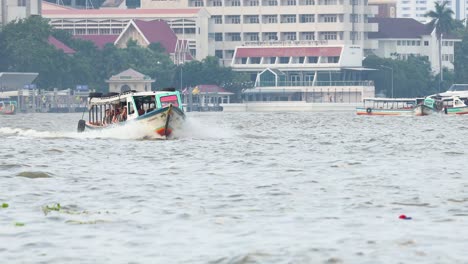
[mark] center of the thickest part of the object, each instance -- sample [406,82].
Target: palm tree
[444,23]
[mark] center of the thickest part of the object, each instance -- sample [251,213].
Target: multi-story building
[418,8]
[416,40]
[236,22]
[386,8]
[17,9]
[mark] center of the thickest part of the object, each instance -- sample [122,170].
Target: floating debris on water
[34,174]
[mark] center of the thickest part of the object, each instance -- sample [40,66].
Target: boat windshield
[145,103]
[169,99]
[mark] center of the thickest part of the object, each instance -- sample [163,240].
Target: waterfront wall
[297,106]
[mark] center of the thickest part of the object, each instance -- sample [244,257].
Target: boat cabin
[113,108]
[391,103]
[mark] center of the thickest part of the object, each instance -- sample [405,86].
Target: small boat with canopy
[7,107]
[158,112]
[390,107]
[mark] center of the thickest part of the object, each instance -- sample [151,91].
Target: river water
[236,188]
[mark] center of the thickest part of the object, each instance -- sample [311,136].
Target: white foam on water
[199,128]
[131,130]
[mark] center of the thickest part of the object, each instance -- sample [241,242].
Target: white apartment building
[18,9]
[417,8]
[235,22]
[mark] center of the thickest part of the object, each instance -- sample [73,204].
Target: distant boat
[158,112]
[390,107]
[8,107]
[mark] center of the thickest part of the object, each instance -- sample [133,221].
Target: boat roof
[391,99]
[117,97]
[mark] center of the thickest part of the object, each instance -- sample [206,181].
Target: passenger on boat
[115,118]
[141,111]
[107,118]
[123,116]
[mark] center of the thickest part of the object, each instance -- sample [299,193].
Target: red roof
[244,52]
[60,45]
[211,88]
[158,31]
[99,40]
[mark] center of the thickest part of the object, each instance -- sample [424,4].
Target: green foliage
[5,205]
[411,78]
[19,224]
[208,71]
[461,59]
[47,209]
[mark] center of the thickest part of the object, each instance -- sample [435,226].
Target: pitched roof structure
[99,40]
[398,28]
[60,45]
[130,74]
[154,31]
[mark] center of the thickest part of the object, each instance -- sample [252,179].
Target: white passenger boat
[390,107]
[160,113]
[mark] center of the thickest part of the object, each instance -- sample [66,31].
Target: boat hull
[160,123]
[384,112]
[457,110]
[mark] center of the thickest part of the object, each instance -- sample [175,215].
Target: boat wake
[193,129]
[129,131]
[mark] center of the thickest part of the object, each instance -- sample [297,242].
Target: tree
[461,59]
[444,23]
[412,77]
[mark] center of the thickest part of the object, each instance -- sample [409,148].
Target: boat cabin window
[145,103]
[170,99]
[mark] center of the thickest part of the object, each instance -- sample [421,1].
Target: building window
[329,36]
[328,2]
[255,60]
[289,35]
[251,19]
[308,35]
[291,2]
[307,18]
[288,19]
[284,60]
[329,18]
[252,37]
[271,36]
[271,19]
[198,3]
[234,36]
[253,3]
[309,2]
[426,43]
[312,59]
[219,53]
[233,19]
[333,59]
[235,3]
[218,36]
[217,19]
[272,3]
[217,3]
[21,2]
